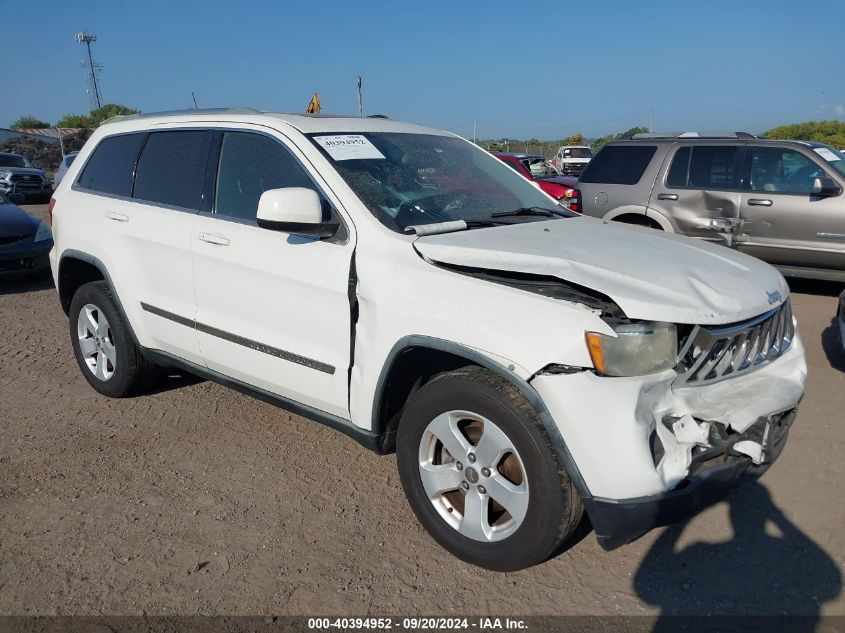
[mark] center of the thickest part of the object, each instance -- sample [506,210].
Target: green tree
[27,122]
[601,142]
[109,110]
[95,117]
[830,132]
[74,120]
[575,139]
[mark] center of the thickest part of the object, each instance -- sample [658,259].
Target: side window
[619,164]
[713,167]
[513,166]
[109,170]
[678,171]
[172,168]
[250,164]
[783,170]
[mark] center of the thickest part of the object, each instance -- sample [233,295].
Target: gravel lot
[197,499]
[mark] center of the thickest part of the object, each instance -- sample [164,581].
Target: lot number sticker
[827,154]
[348,147]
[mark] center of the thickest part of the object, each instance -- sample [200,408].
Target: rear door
[782,222]
[699,189]
[141,228]
[273,308]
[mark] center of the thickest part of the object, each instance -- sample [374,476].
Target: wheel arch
[77,268]
[415,359]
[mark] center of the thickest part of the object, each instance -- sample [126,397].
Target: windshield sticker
[348,147]
[827,154]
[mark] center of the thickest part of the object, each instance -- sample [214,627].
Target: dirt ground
[197,499]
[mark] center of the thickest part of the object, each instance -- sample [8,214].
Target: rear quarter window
[109,170]
[619,164]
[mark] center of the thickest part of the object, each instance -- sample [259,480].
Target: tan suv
[780,201]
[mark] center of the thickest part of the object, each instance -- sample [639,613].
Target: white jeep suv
[402,286]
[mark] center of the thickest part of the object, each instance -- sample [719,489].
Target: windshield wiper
[537,211]
[449,227]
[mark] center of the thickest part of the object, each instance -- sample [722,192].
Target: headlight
[43,233]
[636,350]
[4,174]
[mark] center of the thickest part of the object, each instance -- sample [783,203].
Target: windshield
[540,168]
[413,179]
[12,160]
[578,152]
[833,157]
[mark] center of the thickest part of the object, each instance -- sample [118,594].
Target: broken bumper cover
[649,453]
[617,522]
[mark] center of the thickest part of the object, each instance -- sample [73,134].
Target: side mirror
[824,187]
[17,198]
[294,210]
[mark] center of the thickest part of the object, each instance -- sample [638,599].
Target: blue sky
[527,69]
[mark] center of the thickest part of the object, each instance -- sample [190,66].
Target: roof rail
[148,115]
[676,135]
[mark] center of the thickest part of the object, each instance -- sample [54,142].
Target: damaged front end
[653,450]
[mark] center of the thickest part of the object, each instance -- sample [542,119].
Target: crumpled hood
[649,274]
[15,221]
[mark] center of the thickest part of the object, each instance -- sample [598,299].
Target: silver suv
[780,201]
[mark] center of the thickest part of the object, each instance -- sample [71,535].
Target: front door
[782,222]
[272,308]
[701,190]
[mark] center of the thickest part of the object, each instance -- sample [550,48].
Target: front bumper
[29,190]
[619,522]
[650,453]
[25,255]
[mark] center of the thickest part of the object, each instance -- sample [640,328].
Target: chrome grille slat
[712,354]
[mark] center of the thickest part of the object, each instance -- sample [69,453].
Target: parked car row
[780,201]
[403,286]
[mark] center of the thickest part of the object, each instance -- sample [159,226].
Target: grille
[25,178]
[710,354]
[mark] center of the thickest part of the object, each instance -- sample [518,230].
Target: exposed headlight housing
[43,233]
[636,350]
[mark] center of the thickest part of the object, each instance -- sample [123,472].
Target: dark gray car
[781,201]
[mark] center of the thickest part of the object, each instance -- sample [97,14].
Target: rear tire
[105,352]
[499,452]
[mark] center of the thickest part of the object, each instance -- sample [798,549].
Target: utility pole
[360,98]
[651,112]
[194,97]
[474,128]
[94,95]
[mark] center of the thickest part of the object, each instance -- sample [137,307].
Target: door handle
[214,238]
[667,196]
[117,217]
[759,202]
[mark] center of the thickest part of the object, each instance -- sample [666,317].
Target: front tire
[108,358]
[481,473]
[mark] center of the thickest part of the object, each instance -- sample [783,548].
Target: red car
[539,170]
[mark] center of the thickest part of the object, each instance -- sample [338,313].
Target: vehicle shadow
[25,282]
[171,380]
[769,567]
[815,286]
[833,346]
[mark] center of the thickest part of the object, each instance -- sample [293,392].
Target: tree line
[91,120]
